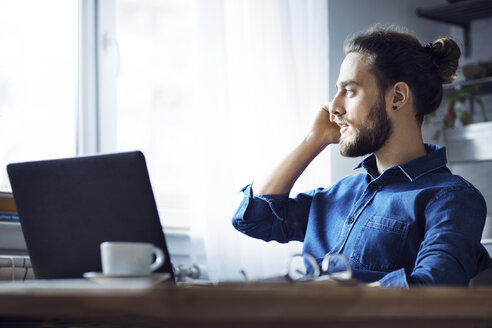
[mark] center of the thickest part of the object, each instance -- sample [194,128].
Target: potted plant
[459,110]
[466,134]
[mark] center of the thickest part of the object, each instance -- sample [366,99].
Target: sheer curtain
[261,76]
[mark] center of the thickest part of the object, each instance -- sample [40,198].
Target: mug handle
[159,258]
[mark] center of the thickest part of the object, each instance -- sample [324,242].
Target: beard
[370,137]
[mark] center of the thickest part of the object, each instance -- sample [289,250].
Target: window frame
[96,129]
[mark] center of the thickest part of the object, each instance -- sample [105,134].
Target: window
[131,90]
[153,97]
[196,85]
[38,81]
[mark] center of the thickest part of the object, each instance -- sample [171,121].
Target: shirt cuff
[238,218]
[276,203]
[395,279]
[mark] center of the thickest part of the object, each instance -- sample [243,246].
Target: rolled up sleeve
[273,217]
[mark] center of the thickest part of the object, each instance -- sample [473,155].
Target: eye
[349,92]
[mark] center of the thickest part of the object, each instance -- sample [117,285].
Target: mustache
[334,119]
[342,122]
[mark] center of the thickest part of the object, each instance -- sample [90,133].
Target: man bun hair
[394,55]
[446,53]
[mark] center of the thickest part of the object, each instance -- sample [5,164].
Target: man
[406,220]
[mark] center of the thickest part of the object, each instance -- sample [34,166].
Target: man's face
[359,108]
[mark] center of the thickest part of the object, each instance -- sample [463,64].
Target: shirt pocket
[379,243]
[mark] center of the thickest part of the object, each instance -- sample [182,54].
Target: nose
[336,107]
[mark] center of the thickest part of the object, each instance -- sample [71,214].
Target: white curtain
[261,76]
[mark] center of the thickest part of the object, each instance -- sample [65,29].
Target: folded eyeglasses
[304,267]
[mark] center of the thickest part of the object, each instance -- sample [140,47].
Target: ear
[400,94]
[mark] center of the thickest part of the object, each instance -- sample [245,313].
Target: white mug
[130,258]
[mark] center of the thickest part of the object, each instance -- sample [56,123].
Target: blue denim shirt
[416,223]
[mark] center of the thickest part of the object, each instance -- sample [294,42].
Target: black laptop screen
[68,207]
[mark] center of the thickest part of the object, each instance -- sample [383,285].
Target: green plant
[458,105]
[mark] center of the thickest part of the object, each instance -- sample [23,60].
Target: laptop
[68,207]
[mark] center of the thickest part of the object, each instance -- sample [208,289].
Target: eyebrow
[348,82]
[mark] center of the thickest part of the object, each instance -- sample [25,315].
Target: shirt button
[350,220]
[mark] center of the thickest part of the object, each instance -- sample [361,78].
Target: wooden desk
[81,304]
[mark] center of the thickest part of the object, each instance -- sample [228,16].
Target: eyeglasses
[334,267]
[304,268]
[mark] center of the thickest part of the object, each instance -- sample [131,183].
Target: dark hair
[397,56]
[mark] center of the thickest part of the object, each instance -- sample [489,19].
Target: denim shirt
[416,223]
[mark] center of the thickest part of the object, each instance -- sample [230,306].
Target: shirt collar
[435,158]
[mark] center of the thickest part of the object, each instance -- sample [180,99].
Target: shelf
[485,85]
[459,13]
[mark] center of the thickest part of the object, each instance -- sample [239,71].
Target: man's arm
[451,253]
[322,133]
[271,214]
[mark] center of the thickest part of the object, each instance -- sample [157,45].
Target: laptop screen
[68,207]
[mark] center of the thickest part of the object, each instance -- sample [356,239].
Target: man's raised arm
[322,133]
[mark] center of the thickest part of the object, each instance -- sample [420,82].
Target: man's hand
[323,130]
[322,133]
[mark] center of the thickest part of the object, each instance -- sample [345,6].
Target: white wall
[481,50]
[351,16]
